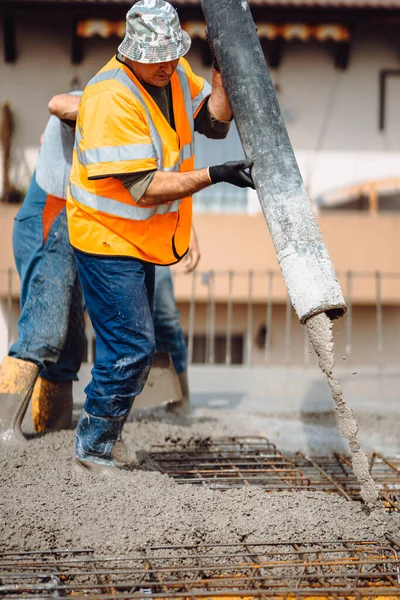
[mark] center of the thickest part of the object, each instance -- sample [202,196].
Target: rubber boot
[51,405]
[17,379]
[95,440]
[181,408]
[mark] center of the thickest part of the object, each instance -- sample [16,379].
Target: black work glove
[211,47]
[236,172]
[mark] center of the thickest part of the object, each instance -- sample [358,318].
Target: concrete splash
[320,333]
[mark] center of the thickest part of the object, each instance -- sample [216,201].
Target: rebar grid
[234,462]
[231,462]
[331,570]
[385,472]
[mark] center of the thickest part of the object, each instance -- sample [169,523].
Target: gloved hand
[234,172]
[209,42]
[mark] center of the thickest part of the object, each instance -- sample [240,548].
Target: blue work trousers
[167,324]
[51,329]
[119,295]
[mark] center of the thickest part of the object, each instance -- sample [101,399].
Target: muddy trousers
[119,295]
[51,329]
[167,323]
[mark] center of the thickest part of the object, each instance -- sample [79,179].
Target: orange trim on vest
[52,209]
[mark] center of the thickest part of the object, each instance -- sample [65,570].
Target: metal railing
[222,307]
[265,306]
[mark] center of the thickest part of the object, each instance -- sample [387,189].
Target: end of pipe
[333,312]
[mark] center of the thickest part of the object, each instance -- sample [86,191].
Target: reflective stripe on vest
[185,153]
[78,139]
[197,100]
[120,209]
[112,153]
[183,80]
[118,153]
[201,96]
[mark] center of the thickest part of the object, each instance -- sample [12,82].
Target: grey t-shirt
[54,162]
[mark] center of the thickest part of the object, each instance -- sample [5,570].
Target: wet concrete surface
[46,502]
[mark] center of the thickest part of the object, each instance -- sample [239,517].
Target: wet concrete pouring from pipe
[47,503]
[320,333]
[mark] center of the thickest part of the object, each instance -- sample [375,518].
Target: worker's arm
[211,110]
[64,106]
[159,187]
[218,103]
[206,124]
[215,116]
[166,187]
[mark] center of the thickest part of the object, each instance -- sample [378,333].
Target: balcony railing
[370,297]
[246,317]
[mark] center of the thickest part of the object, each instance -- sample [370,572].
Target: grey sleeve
[137,183]
[54,161]
[209,126]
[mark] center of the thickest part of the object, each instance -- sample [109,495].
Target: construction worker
[46,357]
[129,203]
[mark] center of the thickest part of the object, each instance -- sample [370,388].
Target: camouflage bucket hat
[153,33]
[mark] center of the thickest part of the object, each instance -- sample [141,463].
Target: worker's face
[157,74]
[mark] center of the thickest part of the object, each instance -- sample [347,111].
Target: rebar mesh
[238,461]
[385,472]
[333,570]
[232,462]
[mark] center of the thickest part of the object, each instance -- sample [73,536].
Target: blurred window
[223,197]
[200,349]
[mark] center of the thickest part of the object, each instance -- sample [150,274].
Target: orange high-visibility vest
[121,130]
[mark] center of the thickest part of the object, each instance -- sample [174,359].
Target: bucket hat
[153,33]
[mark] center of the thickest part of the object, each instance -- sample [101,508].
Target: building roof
[383,4]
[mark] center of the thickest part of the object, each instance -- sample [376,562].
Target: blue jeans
[119,295]
[167,324]
[51,329]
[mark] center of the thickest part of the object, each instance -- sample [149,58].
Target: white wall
[335,113]
[334,124]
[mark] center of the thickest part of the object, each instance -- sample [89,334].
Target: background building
[336,68]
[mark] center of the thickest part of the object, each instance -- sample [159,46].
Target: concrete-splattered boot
[17,379]
[51,405]
[181,408]
[95,440]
